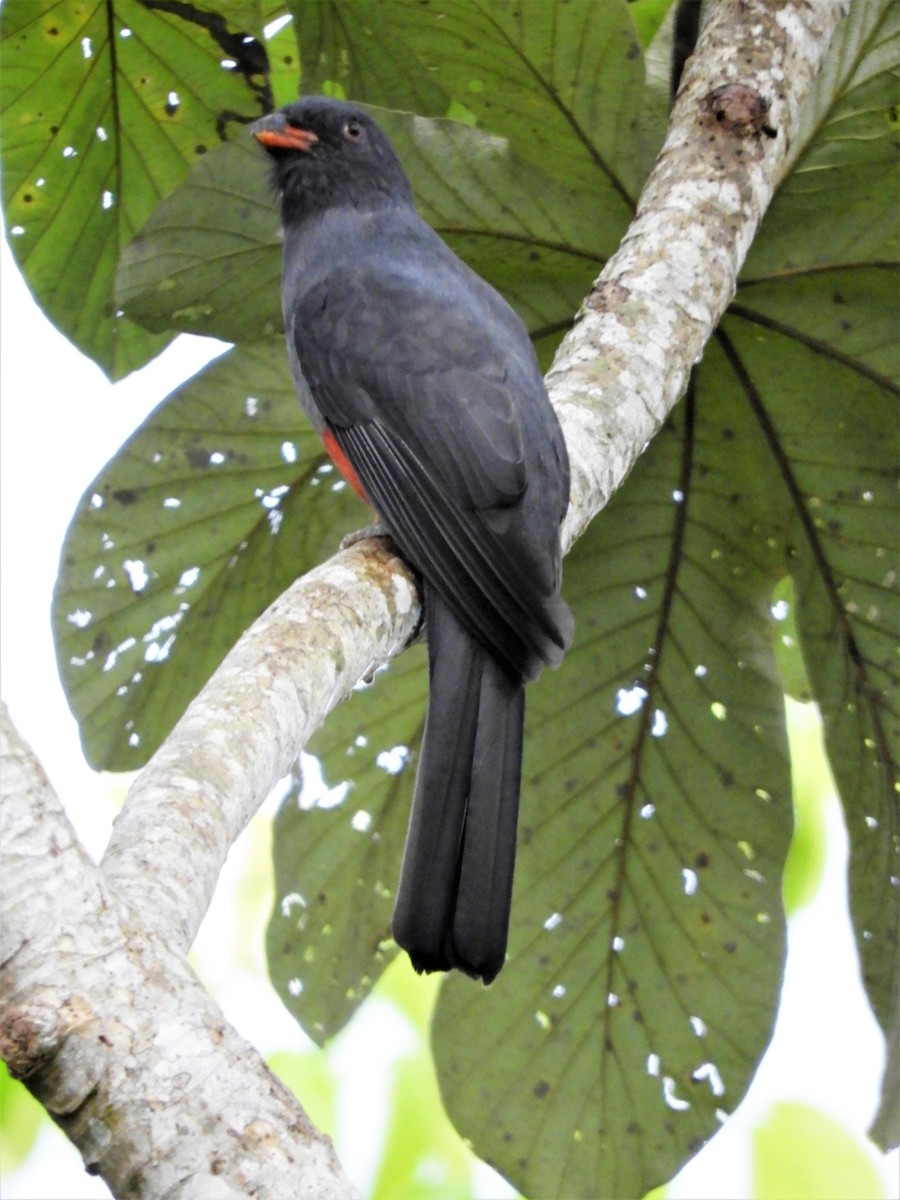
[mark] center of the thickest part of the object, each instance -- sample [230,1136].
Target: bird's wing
[407,343]
[431,392]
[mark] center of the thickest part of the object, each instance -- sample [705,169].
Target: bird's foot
[378,530]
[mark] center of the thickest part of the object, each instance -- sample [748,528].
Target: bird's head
[327,153]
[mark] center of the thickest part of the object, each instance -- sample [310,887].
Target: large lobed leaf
[208,260]
[812,337]
[564,82]
[337,844]
[211,509]
[648,933]
[105,107]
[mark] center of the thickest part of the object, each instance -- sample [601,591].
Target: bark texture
[111,1030]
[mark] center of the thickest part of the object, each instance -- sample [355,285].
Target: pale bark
[626,362]
[241,734]
[119,1040]
[98,1009]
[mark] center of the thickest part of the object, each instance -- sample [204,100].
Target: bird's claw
[378,530]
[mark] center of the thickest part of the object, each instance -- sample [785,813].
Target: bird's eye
[352,130]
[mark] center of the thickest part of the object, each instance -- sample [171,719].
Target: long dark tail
[453,900]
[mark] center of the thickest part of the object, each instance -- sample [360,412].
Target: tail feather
[453,900]
[488,851]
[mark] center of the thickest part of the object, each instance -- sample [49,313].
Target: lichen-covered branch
[116,1036]
[626,362]
[242,732]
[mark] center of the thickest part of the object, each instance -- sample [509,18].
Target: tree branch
[625,364]
[245,728]
[119,1040]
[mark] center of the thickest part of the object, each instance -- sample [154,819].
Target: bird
[425,388]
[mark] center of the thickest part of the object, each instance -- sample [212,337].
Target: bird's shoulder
[385,321]
[387,282]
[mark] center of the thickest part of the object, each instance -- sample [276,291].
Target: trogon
[425,388]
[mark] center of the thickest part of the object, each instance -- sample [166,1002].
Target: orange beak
[285,137]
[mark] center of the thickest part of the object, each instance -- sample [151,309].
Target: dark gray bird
[426,391]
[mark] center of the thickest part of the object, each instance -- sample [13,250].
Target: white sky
[61,421]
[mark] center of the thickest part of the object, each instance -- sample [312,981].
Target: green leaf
[336,857]
[647,16]
[648,934]
[805,866]
[814,328]
[311,1078]
[542,75]
[208,260]
[104,108]
[799,1153]
[211,509]
[829,426]
[21,1117]
[284,59]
